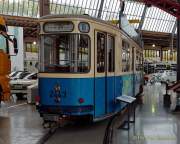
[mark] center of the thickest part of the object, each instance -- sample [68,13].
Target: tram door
[133,70]
[104,73]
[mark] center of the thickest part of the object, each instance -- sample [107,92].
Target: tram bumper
[65,110]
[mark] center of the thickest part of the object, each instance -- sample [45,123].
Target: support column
[44,7]
[161,54]
[142,18]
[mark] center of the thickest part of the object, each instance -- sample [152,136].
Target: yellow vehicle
[5,64]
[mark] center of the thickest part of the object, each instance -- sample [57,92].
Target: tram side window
[83,54]
[141,61]
[111,57]
[101,44]
[125,56]
[138,61]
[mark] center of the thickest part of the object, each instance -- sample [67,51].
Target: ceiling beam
[44,7]
[170,6]
[100,9]
[142,18]
[20,21]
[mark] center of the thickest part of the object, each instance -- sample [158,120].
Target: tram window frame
[70,67]
[139,61]
[141,56]
[101,58]
[126,62]
[111,53]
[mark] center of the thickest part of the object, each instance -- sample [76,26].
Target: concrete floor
[21,124]
[154,124]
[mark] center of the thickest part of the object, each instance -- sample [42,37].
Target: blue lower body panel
[73,93]
[86,96]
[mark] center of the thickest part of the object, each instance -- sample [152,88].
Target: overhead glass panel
[126,27]
[134,11]
[155,19]
[89,7]
[158,20]
[109,11]
[28,8]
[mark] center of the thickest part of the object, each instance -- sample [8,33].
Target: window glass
[23,75]
[110,52]
[84,27]
[139,61]
[125,56]
[101,44]
[52,27]
[3,43]
[30,47]
[67,53]
[34,76]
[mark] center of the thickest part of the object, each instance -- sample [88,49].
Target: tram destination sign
[51,27]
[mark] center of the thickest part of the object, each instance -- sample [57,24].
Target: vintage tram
[85,63]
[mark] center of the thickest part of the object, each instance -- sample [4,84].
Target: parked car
[19,86]
[13,73]
[16,74]
[168,76]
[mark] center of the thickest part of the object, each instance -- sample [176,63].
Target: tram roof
[93,19]
[78,16]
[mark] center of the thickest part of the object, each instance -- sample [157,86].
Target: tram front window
[66,53]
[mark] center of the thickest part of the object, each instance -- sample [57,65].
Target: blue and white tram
[85,64]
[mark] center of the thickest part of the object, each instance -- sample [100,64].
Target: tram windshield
[65,53]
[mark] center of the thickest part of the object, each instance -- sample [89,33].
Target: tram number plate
[50,117]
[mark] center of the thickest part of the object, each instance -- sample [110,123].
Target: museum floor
[20,124]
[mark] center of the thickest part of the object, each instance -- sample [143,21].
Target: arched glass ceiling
[158,20]
[110,8]
[155,19]
[27,8]
[134,11]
